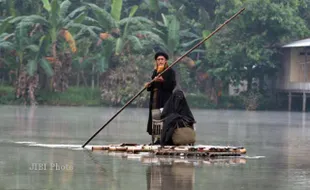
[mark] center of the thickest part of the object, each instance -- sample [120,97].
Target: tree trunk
[10,79]
[66,70]
[84,79]
[261,83]
[32,83]
[26,83]
[93,77]
[211,90]
[249,78]
[250,81]
[56,68]
[98,80]
[62,70]
[78,79]
[213,94]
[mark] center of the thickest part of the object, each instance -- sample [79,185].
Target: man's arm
[150,86]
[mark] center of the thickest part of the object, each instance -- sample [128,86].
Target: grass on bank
[83,96]
[73,96]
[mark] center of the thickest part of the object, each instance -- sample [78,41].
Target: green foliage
[199,101]
[251,99]
[116,9]
[64,7]
[32,67]
[249,46]
[47,5]
[225,102]
[7,95]
[82,96]
[72,97]
[105,19]
[123,82]
[46,67]
[137,34]
[230,102]
[153,5]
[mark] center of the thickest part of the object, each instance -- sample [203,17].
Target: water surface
[278,148]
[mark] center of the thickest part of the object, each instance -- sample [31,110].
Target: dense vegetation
[93,52]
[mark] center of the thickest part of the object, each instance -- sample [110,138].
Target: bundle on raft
[186,151]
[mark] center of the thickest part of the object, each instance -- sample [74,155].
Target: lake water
[40,149]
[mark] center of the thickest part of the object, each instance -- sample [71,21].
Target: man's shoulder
[171,70]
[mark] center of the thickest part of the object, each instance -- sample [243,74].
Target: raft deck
[184,151]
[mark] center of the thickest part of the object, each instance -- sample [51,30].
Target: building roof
[299,43]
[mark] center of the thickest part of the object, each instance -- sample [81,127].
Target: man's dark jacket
[164,88]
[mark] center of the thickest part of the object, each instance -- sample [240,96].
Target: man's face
[161,61]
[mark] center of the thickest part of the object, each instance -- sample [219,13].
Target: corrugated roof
[299,43]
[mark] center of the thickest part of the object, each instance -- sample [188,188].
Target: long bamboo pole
[176,61]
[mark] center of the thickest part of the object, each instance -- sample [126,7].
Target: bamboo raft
[169,160]
[179,151]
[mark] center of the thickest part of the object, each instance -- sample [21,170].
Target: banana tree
[137,35]
[114,37]
[22,54]
[54,28]
[17,50]
[91,57]
[96,45]
[137,32]
[176,42]
[94,36]
[133,33]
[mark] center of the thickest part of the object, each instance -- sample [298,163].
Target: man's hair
[161,54]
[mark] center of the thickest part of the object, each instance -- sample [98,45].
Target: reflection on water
[171,176]
[280,139]
[168,172]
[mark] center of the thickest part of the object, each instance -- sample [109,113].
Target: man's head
[161,61]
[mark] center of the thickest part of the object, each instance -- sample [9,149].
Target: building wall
[290,77]
[286,65]
[296,65]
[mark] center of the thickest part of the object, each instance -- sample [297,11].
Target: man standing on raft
[162,87]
